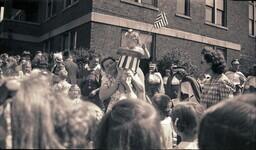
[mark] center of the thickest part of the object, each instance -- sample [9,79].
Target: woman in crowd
[62,86]
[11,68]
[218,87]
[114,84]
[74,94]
[185,117]
[163,105]
[230,125]
[32,124]
[131,124]
[26,69]
[154,81]
[82,124]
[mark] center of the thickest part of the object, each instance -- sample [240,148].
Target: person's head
[180,72]
[4,57]
[93,61]
[63,74]
[66,55]
[82,124]
[26,55]
[230,125]
[109,65]
[152,67]
[26,67]
[163,104]
[185,117]
[132,38]
[58,58]
[11,62]
[131,124]
[167,72]
[235,64]
[74,92]
[17,57]
[214,60]
[32,124]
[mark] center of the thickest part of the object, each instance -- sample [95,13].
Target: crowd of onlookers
[56,102]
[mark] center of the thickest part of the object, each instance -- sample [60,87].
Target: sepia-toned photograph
[128,74]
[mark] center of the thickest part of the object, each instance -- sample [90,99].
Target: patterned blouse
[107,81]
[215,90]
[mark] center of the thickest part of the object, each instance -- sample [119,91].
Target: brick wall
[237,27]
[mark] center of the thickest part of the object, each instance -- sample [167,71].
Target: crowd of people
[112,104]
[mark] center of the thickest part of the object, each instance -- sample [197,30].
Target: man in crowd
[71,67]
[236,77]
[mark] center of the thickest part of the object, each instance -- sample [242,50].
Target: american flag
[161,20]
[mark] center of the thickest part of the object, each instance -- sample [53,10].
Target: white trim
[128,23]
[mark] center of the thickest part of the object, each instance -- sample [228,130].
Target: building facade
[56,25]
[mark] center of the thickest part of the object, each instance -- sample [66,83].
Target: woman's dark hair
[163,104]
[230,125]
[187,116]
[215,58]
[131,124]
[105,59]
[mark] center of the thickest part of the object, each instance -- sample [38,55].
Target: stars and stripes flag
[161,20]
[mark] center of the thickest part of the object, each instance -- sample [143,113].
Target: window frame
[141,4]
[52,13]
[253,20]
[71,40]
[186,8]
[72,2]
[214,9]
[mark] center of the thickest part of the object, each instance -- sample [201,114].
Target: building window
[147,2]
[252,18]
[145,38]
[183,7]
[215,12]
[51,8]
[68,3]
[69,40]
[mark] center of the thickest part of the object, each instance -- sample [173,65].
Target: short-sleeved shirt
[215,90]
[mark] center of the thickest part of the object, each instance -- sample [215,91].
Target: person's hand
[93,93]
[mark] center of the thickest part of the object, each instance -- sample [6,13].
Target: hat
[26,53]
[235,62]
[58,59]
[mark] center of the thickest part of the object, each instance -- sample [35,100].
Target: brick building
[56,25]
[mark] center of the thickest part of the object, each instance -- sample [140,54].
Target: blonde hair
[32,122]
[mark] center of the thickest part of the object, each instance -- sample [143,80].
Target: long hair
[32,124]
[131,124]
